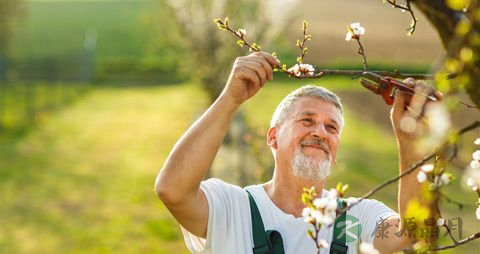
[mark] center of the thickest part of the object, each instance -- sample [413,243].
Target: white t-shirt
[229,222]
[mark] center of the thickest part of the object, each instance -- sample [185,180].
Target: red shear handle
[392,83]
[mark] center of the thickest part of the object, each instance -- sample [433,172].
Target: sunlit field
[82,181]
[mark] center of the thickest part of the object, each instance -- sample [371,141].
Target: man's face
[308,138]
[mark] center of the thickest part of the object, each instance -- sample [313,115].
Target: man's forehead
[312,105]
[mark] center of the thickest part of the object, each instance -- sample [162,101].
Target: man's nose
[320,132]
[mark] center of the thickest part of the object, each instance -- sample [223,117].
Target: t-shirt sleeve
[219,196]
[371,212]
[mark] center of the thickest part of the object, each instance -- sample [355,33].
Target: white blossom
[326,219]
[478,213]
[475,164]
[470,181]
[440,221]
[348,36]
[421,176]
[319,203]
[367,248]
[299,69]
[306,212]
[332,194]
[477,142]
[331,205]
[476,155]
[357,28]
[241,32]
[427,168]
[473,183]
[323,244]
[354,31]
[444,179]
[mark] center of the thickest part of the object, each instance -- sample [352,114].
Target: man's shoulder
[368,207]
[218,187]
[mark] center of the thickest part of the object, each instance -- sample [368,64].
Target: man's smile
[315,146]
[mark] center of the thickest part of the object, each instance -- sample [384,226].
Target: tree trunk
[445,20]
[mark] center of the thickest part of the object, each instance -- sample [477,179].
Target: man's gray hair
[282,110]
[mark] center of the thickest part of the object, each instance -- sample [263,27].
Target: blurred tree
[207,54]
[458,25]
[9,10]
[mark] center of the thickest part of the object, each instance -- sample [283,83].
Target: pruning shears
[386,86]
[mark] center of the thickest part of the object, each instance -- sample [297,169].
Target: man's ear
[272,137]
[334,162]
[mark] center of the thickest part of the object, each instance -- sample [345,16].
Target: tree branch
[412,168]
[461,242]
[406,7]
[319,73]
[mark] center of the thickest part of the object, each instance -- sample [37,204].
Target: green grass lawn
[24,103]
[82,180]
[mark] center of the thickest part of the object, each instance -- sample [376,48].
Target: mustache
[316,142]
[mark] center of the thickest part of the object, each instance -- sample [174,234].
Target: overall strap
[265,242]
[339,246]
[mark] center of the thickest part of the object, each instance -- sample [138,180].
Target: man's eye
[309,120]
[332,127]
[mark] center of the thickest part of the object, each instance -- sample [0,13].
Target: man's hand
[408,112]
[249,74]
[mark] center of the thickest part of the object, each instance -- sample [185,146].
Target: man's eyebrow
[308,113]
[335,122]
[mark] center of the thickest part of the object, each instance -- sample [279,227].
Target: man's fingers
[265,64]
[398,107]
[410,82]
[257,68]
[251,76]
[420,98]
[438,94]
[269,58]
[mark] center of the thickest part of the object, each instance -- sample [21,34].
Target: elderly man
[215,216]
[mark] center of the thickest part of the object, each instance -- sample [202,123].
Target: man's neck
[286,192]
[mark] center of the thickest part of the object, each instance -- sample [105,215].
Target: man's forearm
[193,154]
[409,187]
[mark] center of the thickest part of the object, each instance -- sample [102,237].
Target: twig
[362,53]
[461,242]
[444,224]
[406,7]
[467,105]
[301,43]
[449,200]
[412,168]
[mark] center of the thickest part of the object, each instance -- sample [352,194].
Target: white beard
[308,168]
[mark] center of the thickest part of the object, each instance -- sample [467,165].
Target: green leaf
[306,198]
[240,43]
[310,233]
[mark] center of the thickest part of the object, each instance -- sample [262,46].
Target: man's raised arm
[178,182]
[409,187]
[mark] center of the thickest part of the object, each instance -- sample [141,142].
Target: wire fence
[23,104]
[37,87]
